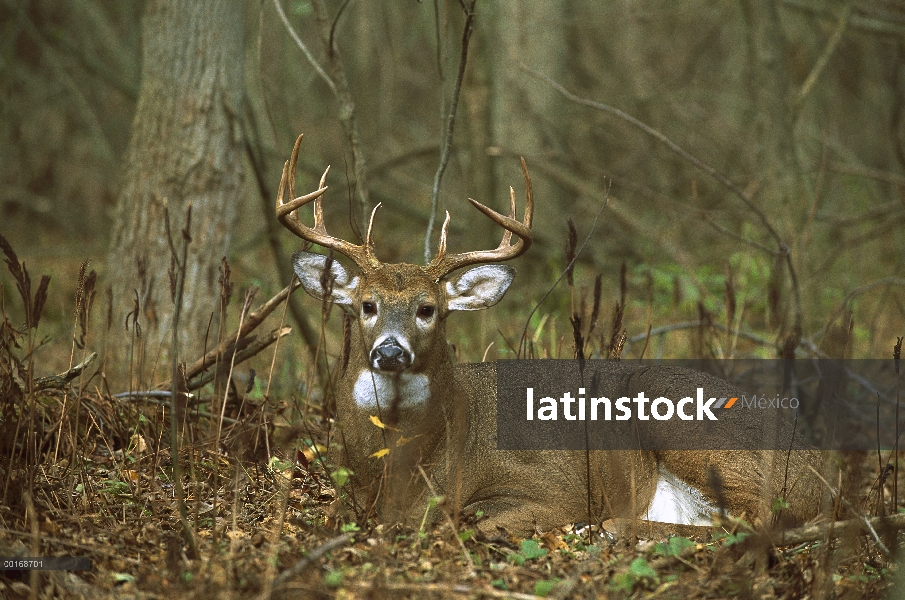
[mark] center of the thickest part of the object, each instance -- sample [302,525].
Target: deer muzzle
[389,355]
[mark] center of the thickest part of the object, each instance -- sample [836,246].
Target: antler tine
[361,255]
[368,244]
[319,206]
[507,235]
[441,245]
[443,264]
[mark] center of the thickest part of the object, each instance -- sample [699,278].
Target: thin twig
[521,344]
[876,174]
[735,236]
[298,41]
[339,13]
[840,528]
[180,267]
[152,395]
[897,281]
[450,126]
[249,295]
[667,142]
[824,57]
[357,183]
[252,349]
[452,526]
[308,559]
[256,152]
[722,179]
[252,320]
[425,589]
[694,325]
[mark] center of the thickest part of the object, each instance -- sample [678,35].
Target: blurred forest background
[798,104]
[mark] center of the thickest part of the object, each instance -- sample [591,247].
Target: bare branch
[522,346]
[824,57]
[250,323]
[693,160]
[308,559]
[247,351]
[450,126]
[346,111]
[62,380]
[298,41]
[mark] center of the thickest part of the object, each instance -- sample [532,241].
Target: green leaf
[340,476]
[276,464]
[623,582]
[530,550]
[333,579]
[734,538]
[517,559]
[544,586]
[674,546]
[640,569]
[301,9]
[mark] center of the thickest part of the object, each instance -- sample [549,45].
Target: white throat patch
[371,386]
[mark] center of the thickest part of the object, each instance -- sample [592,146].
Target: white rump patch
[371,386]
[677,502]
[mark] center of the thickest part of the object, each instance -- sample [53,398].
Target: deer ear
[310,270]
[478,288]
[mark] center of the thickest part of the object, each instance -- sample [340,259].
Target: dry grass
[84,473]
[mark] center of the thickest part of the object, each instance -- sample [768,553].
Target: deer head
[400,309]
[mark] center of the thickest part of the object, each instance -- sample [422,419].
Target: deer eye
[426,311]
[368,308]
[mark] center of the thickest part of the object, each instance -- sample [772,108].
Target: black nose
[390,356]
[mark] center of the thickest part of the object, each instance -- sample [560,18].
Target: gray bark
[185,149]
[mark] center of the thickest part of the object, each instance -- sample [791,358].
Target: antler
[362,255]
[442,264]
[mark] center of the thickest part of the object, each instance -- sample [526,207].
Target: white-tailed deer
[441,419]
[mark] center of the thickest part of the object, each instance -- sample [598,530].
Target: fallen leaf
[404,440]
[311,453]
[554,542]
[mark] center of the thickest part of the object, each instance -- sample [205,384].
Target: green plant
[544,587]
[673,547]
[350,528]
[639,573]
[529,551]
[340,476]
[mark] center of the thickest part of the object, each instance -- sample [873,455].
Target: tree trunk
[185,150]
[772,121]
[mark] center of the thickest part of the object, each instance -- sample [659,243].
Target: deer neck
[395,396]
[415,420]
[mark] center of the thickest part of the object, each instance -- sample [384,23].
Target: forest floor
[84,473]
[284,532]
